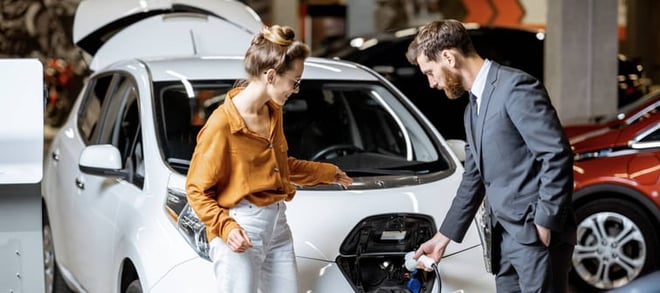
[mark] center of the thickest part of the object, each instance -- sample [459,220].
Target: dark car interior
[344,123]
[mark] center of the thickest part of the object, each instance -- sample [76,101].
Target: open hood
[110,31]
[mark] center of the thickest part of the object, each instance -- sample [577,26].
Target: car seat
[177,125]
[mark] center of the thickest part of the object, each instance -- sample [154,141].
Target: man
[517,157]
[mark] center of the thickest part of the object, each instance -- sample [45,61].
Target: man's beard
[453,84]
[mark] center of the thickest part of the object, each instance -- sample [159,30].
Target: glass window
[122,127]
[90,110]
[652,137]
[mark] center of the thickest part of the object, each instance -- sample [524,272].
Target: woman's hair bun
[281,35]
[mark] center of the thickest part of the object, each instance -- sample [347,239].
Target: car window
[90,110]
[652,137]
[632,111]
[121,127]
[362,127]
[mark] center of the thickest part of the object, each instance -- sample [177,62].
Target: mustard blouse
[231,163]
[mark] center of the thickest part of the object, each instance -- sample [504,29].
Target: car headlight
[188,224]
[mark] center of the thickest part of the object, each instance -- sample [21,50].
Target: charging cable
[411,266]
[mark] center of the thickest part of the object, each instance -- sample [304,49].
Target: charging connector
[411,266]
[411,263]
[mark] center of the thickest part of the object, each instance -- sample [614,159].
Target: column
[360,17]
[581,57]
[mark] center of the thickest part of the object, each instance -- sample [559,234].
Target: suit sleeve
[534,117]
[468,198]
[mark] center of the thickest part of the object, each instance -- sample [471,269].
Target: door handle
[55,155]
[79,183]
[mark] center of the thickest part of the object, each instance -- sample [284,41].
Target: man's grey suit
[519,158]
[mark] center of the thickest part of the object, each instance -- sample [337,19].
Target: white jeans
[270,265]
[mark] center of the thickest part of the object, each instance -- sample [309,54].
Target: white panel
[10,270]
[22,120]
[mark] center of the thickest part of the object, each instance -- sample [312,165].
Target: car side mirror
[102,160]
[457,146]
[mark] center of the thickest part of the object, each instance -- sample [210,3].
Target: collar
[236,122]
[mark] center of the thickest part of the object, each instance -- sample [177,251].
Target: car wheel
[53,281]
[616,243]
[134,287]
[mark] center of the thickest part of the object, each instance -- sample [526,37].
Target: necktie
[473,113]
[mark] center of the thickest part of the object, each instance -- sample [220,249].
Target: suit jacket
[519,158]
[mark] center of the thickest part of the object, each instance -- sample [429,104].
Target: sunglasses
[296,84]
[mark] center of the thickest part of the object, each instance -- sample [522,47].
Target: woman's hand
[238,241]
[342,179]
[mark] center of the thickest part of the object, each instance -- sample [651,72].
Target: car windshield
[630,110]
[360,126]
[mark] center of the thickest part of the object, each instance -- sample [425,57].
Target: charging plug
[411,263]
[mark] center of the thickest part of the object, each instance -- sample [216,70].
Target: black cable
[437,276]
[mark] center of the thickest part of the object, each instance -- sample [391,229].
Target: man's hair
[437,36]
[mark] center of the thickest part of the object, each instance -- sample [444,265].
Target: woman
[240,174]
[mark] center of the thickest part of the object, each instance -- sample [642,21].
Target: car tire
[134,287]
[616,244]
[53,281]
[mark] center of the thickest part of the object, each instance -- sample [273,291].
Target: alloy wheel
[611,250]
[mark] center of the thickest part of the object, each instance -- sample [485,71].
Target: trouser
[270,265]
[531,267]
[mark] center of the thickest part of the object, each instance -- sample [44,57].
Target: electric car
[616,199]
[115,211]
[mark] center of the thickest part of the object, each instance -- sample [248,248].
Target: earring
[269,77]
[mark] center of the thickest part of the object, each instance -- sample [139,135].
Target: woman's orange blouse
[231,163]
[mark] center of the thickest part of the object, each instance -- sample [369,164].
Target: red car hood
[596,139]
[580,129]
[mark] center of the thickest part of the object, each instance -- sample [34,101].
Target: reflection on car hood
[587,135]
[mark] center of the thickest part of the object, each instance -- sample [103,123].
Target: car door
[103,198]
[61,171]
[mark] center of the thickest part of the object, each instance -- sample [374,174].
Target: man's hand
[238,240]
[433,248]
[544,234]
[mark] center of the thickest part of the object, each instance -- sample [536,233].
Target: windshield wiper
[376,172]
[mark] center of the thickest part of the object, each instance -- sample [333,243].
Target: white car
[115,213]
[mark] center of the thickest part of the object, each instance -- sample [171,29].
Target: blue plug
[414,285]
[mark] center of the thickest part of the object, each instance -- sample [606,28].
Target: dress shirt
[480,82]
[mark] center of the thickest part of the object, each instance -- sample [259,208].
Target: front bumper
[461,272]
[194,275]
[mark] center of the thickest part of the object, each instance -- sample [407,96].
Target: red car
[617,197]
[625,115]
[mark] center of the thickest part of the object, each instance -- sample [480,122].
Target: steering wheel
[336,150]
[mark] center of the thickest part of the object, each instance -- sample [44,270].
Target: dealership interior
[599,61]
